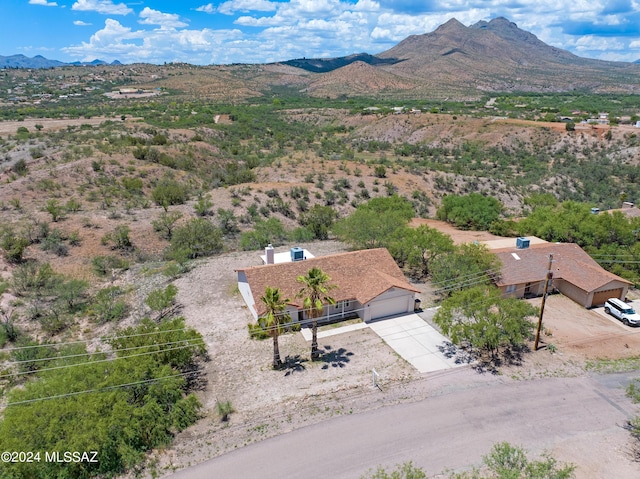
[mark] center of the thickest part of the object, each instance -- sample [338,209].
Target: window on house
[511,288]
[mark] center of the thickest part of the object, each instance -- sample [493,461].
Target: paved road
[448,431]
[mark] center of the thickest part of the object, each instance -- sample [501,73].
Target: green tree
[373,223]
[319,220]
[315,294]
[480,317]
[414,249]
[228,222]
[203,206]
[273,319]
[196,238]
[107,305]
[467,265]
[265,232]
[470,212]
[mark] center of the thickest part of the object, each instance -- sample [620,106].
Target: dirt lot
[271,402]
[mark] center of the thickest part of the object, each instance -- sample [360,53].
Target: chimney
[269,254]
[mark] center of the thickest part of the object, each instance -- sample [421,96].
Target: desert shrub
[162,301]
[103,265]
[165,224]
[55,209]
[198,237]
[34,278]
[118,238]
[265,232]
[20,167]
[13,245]
[108,306]
[170,192]
[380,171]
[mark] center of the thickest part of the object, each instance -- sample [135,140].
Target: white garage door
[389,307]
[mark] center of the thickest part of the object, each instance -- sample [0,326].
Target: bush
[170,192]
[13,245]
[20,168]
[162,300]
[119,238]
[107,307]
[103,265]
[265,232]
[198,237]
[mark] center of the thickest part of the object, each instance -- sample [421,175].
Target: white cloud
[591,43]
[118,42]
[165,20]
[208,8]
[106,7]
[231,6]
[80,23]
[44,3]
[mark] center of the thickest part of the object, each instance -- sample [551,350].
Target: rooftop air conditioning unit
[297,254]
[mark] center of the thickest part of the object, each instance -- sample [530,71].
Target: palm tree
[315,293]
[272,321]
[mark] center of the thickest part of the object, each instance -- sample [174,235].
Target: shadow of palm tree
[293,364]
[337,358]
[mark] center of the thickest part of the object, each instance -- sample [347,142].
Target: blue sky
[258,31]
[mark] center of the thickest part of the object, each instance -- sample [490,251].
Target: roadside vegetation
[505,461]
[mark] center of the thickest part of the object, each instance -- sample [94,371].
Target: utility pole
[544,298]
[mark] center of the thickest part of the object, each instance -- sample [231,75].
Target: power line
[104,338]
[100,352]
[97,361]
[106,388]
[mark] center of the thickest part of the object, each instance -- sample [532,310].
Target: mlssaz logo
[72,456]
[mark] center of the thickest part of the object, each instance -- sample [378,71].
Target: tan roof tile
[570,263]
[360,275]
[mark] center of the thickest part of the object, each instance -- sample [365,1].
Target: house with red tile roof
[575,274]
[368,283]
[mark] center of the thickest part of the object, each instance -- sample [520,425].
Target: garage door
[388,307]
[601,296]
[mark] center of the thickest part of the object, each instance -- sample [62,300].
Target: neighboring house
[369,285]
[575,274]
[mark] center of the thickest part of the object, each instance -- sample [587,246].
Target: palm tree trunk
[315,354]
[276,351]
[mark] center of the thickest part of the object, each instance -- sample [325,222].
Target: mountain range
[486,56]
[452,61]
[22,61]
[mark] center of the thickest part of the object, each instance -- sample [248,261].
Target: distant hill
[322,65]
[498,56]
[21,61]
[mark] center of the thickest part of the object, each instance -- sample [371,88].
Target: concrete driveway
[415,341]
[408,335]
